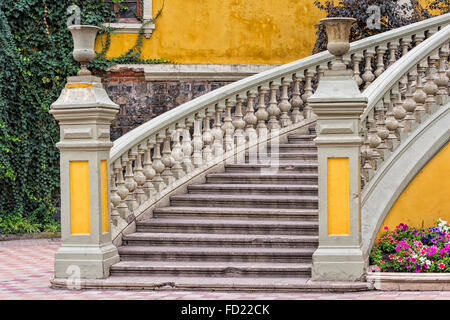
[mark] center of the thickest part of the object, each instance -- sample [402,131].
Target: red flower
[399,259]
[391,256]
[441,266]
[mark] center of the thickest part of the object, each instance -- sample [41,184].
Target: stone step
[219,240]
[250,189]
[298,156]
[301,138]
[228,226]
[306,167]
[244,201]
[244,284]
[292,147]
[210,269]
[257,178]
[236,213]
[216,254]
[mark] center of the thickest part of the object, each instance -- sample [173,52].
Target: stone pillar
[85,112]
[338,105]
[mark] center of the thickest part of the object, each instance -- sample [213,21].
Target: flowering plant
[407,249]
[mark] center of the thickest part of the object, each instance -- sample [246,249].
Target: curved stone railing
[416,86]
[150,160]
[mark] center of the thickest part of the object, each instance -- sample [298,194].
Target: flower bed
[407,249]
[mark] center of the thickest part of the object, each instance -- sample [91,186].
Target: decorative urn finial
[338,32]
[83,43]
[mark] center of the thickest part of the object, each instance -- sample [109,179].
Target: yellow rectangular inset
[338,196]
[79,197]
[104,195]
[78,85]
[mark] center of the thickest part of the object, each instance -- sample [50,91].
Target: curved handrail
[171,117]
[378,89]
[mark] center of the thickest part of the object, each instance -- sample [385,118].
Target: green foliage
[16,224]
[393,15]
[36,55]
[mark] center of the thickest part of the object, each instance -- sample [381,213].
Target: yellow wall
[426,198]
[338,196]
[228,31]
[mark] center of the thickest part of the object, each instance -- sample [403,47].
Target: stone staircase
[241,229]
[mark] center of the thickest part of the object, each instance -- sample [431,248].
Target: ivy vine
[36,54]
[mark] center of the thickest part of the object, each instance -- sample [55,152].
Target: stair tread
[218,250]
[259,174]
[217,283]
[239,197]
[236,222]
[228,210]
[254,186]
[216,236]
[205,265]
[299,165]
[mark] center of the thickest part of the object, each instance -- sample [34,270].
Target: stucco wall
[229,31]
[426,198]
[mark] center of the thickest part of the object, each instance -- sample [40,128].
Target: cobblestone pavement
[27,265]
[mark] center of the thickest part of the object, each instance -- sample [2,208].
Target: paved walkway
[27,265]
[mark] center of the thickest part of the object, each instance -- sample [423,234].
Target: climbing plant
[392,15]
[36,55]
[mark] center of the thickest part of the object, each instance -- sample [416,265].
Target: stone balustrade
[152,159]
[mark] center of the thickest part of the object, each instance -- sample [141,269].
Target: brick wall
[142,100]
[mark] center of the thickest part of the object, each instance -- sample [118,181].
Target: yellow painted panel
[79,197]
[426,198]
[104,193]
[228,32]
[338,196]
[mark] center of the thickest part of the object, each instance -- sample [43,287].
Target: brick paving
[27,265]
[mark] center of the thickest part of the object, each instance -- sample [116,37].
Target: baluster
[382,132]
[158,165]
[357,58]
[405,43]
[149,171]
[217,132]
[284,104]
[228,128]
[296,101]
[273,107]
[307,110]
[368,75]
[130,183]
[393,47]
[177,151]
[324,67]
[419,95]
[115,199]
[374,139]
[239,125]
[430,87]
[197,141]
[207,137]
[167,160]
[139,176]
[399,112]
[391,122]
[250,123]
[187,146]
[366,153]
[262,116]
[381,50]
[122,190]
[409,104]
[442,78]
[418,39]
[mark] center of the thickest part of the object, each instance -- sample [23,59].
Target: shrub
[407,249]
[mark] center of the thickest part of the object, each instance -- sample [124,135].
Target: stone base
[85,261]
[338,264]
[392,281]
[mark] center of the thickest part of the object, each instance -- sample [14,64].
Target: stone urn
[338,32]
[83,43]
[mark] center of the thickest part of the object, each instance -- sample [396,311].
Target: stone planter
[404,281]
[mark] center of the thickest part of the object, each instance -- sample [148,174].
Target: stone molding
[392,281]
[210,72]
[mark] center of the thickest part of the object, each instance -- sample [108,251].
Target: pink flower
[408,266]
[386,228]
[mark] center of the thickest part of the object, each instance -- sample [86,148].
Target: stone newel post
[84,112]
[338,105]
